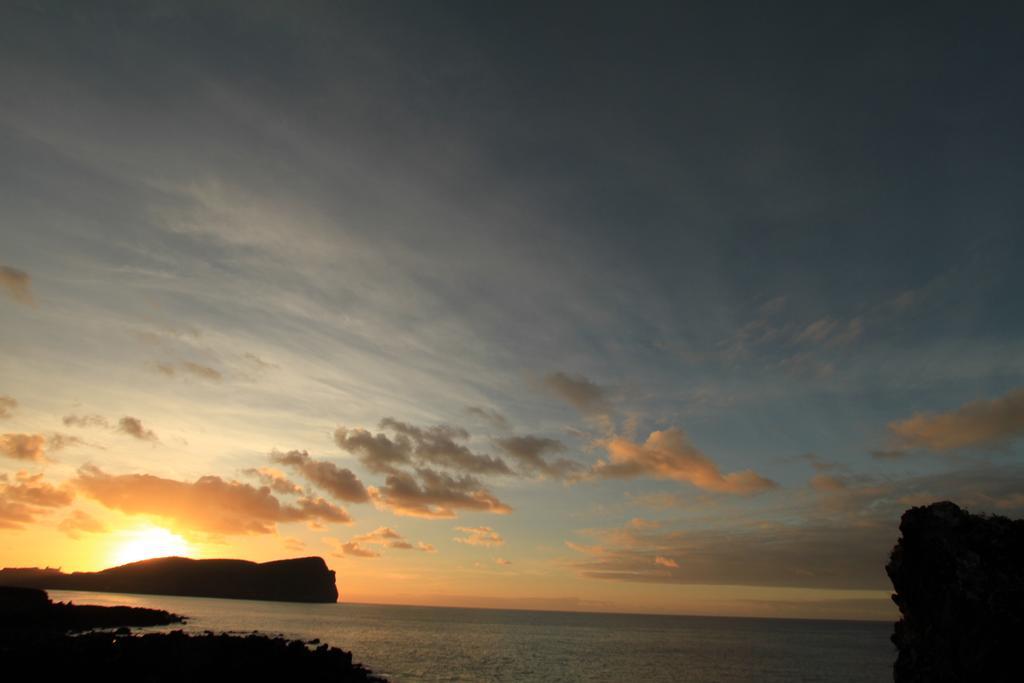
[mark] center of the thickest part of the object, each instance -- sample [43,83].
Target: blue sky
[783,232]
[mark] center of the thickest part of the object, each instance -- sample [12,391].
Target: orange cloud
[18,284]
[27,497]
[350,549]
[978,423]
[78,522]
[209,504]
[23,446]
[666,562]
[669,454]
[479,535]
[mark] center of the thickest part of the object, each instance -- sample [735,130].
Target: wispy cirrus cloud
[191,368]
[579,392]
[490,416]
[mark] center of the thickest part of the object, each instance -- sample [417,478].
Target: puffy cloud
[479,535]
[666,562]
[435,495]
[132,426]
[208,504]
[277,480]
[669,454]
[490,416]
[981,423]
[530,451]
[425,547]
[376,451]
[579,392]
[23,446]
[340,482]
[438,446]
[411,445]
[7,406]
[18,284]
[79,522]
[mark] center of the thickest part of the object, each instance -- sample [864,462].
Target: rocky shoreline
[59,641]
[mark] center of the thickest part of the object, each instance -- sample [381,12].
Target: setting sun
[150,542]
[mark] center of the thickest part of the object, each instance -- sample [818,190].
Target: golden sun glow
[149,542]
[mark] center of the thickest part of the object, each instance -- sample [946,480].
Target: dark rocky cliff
[305,579]
[959,581]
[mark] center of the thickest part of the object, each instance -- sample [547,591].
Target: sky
[656,307]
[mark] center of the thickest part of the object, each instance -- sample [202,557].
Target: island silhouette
[305,579]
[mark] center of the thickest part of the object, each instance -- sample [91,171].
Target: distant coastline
[304,579]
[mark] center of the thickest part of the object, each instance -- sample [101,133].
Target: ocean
[434,644]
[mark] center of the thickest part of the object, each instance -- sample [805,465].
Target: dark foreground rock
[30,610]
[177,657]
[959,581]
[305,579]
[38,642]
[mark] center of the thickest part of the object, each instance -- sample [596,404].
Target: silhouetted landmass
[304,579]
[959,581]
[37,643]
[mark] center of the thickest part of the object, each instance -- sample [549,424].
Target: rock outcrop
[305,579]
[959,581]
[38,642]
[30,609]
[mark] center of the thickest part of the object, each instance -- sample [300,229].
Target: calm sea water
[414,644]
